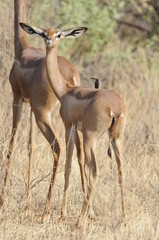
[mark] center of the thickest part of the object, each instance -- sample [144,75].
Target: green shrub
[97,16]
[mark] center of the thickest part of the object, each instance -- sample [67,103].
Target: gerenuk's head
[53,35]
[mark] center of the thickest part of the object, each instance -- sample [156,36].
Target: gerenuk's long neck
[55,78]
[20,36]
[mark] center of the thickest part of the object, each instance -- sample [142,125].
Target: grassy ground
[135,76]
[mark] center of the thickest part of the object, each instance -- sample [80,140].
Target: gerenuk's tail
[113,129]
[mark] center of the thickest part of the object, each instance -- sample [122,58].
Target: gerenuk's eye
[44,34]
[58,35]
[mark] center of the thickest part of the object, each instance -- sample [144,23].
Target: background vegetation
[121,48]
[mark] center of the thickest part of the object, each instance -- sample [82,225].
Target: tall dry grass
[133,77]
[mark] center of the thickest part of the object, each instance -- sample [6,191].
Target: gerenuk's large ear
[31,29]
[74,32]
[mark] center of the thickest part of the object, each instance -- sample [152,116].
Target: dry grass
[139,85]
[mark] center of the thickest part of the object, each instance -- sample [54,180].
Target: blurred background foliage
[134,22]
